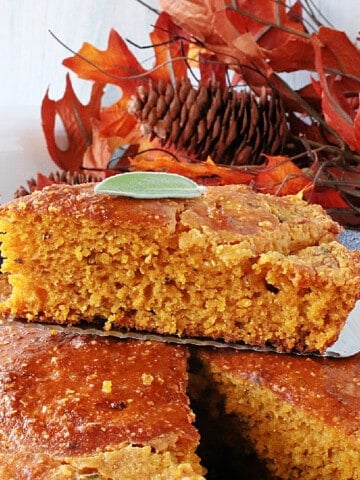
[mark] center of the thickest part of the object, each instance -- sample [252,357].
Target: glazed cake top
[66,395]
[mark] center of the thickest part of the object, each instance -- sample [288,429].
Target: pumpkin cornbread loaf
[232,264]
[81,407]
[299,414]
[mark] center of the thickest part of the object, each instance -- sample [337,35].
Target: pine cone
[234,128]
[71,178]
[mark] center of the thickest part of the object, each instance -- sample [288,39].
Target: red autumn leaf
[311,94]
[211,70]
[334,107]
[241,50]
[328,198]
[42,181]
[333,186]
[207,22]
[279,175]
[251,59]
[195,17]
[246,37]
[270,22]
[301,127]
[277,30]
[340,55]
[200,18]
[76,119]
[357,129]
[339,92]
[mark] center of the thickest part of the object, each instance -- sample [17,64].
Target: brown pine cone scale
[62,176]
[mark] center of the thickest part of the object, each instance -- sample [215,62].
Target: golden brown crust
[68,400]
[229,213]
[80,201]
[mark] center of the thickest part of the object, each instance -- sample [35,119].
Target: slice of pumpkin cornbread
[231,264]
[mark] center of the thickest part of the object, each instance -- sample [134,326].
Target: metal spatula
[348,343]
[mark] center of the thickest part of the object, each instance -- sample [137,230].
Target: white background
[30,63]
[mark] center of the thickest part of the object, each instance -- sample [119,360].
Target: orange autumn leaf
[104,150]
[170,52]
[76,119]
[118,65]
[115,129]
[279,175]
[98,154]
[115,65]
[205,173]
[116,120]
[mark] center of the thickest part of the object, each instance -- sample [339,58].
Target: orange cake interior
[232,264]
[81,407]
[299,416]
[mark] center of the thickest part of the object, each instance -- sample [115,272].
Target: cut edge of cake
[297,416]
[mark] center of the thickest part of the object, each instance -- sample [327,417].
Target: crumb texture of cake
[232,264]
[300,415]
[79,407]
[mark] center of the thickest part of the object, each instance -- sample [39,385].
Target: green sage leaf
[149,185]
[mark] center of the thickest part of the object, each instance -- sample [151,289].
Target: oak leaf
[76,119]
[118,65]
[115,65]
